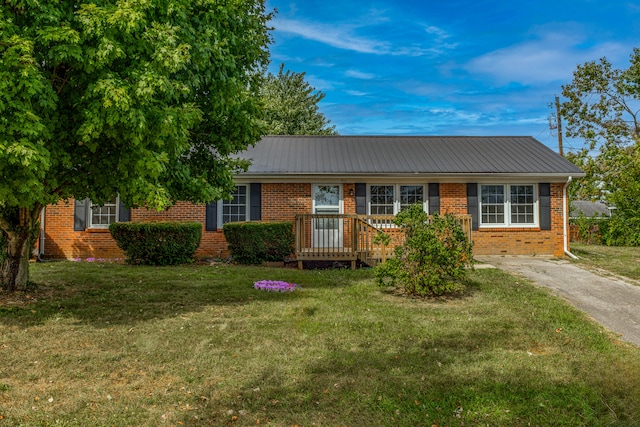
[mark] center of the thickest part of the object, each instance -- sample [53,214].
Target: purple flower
[275,286]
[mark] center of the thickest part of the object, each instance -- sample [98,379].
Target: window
[508,205]
[382,200]
[522,204]
[410,195]
[235,210]
[492,204]
[100,216]
[391,199]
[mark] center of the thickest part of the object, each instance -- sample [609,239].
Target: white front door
[327,232]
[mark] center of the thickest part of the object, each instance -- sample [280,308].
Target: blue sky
[455,67]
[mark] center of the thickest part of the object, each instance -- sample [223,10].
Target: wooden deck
[333,237]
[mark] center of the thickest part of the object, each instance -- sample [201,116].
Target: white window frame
[90,223]
[396,195]
[507,207]
[221,204]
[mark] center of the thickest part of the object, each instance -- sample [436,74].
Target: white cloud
[320,83]
[345,36]
[455,114]
[357,93]
[359,75]
[551,56]
[337,36]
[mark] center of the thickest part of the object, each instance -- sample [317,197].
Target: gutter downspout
[565,236]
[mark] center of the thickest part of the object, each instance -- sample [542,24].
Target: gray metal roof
[389,155]
[589,209]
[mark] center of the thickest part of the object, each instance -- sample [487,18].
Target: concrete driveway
[610,301]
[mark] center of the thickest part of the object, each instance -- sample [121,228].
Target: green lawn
[623,261]
[115,345]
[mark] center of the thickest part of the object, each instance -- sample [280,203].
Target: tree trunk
[16,251]
[15,266]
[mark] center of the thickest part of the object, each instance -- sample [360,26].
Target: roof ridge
[397,136]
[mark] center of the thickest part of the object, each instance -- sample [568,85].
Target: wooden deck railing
[337,237]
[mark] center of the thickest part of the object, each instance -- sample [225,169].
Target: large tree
[291,105]
[602,108]
[145,99]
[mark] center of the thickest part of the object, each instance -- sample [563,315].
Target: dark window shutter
[80,215]
[124,213]
[361,198]
[472,204]
[434,198]
[545,206]
[255,197]
[211,216]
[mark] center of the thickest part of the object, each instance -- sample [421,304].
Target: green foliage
[433,258]
[620,231]
[601,109]
[588,228]
[291,106]
[157,243]
[614,231]
[145,99]
[382,238]
[255,242]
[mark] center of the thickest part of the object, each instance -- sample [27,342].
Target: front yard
[624,261]
[109,344]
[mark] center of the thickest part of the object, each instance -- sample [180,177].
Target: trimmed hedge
[157,243]
[255,242]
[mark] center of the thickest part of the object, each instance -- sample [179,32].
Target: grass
[115,345]
[623,261]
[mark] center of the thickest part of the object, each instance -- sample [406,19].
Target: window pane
[411,194]
[492,200]
[382,198]
[104,215]
[522,204]
[327,195]
[235,209]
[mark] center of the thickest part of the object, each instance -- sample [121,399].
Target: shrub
[433,258]
[620,231]
[614,231]
[157,243]
[255,242]
[588,228]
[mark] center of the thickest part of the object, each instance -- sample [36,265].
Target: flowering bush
[274,286]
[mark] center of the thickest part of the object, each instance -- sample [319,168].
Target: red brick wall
[453,199]
[61,241]
[282,202]
[512,241]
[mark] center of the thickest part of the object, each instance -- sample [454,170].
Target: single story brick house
[513,190]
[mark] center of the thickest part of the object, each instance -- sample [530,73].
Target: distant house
[589,209]
[587,232]
[511,189]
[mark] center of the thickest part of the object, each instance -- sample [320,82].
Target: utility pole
[559,120]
